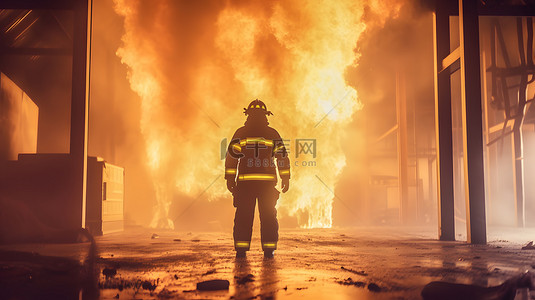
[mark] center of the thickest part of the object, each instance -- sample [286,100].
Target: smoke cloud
[196,64]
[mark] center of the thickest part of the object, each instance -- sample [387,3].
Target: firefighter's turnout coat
[254,155]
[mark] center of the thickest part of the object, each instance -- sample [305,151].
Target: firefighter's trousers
[245,196]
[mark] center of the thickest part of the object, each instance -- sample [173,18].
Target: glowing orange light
[292,55]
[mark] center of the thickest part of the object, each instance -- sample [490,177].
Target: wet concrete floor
[356,263]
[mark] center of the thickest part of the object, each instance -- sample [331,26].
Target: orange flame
[194,76]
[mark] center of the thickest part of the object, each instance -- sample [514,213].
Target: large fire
[196,65]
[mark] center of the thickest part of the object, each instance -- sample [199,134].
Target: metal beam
[403,157]
[472,122]
[489,176]
[35,51]
[452,58]
[80,102]
[499,127]
[443,125]
[448,8]
[506,10]
[518,147]
[518,176]
[37,4]
[494,10]
[384,135]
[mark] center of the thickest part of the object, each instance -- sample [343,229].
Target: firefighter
[254,154]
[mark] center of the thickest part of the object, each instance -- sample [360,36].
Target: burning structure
[375,100]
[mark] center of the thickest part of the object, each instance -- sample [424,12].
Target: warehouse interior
[115,117]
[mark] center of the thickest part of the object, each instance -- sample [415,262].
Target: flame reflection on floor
[370,263]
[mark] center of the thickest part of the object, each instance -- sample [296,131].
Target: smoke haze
[194,65]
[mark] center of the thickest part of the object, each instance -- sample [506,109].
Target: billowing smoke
[395,44]
[195,65]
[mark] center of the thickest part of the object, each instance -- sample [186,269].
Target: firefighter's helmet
[254,105]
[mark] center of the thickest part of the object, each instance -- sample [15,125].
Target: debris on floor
[167,294]
[244,279]
[362,273]
[529,246]
[121,284]
[212,271]
[213,285]
[154,236]
[109,272]
[143,268]
[374,287]
[349,281]
[439,290]
[148,285]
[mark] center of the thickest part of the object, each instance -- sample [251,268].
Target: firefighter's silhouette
[255,152]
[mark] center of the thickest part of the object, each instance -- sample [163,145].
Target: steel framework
[465,58]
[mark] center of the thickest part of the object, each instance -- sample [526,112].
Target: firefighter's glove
[231,185]
[285,185]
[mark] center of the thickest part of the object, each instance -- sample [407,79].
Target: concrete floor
[382,263]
